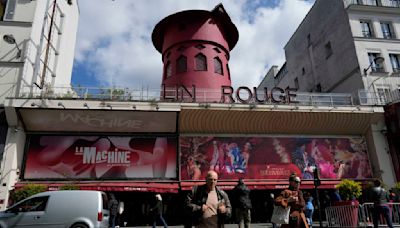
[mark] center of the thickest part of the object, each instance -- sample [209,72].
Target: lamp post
[317,182]
[8,38]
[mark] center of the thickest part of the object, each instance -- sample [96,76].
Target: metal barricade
[343,216]
[359,216]
[394,213]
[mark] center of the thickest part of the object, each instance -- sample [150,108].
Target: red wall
[182,33]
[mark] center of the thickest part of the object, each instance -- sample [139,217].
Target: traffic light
[317,181]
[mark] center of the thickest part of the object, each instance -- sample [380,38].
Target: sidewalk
[255,225]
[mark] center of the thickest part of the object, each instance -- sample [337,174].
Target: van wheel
[79,225]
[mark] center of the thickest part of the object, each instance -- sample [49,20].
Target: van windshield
[105,201]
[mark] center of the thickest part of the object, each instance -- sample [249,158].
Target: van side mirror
[12,210]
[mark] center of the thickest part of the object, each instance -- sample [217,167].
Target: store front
[167,148]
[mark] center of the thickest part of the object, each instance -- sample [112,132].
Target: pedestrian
[293,197]
[121,207]
[336,196]
[113,208]
[209,205]
[309,209]
[270,207]
[243,204]
[157,212]
[380,198]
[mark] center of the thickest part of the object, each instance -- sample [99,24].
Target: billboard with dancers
[274,157]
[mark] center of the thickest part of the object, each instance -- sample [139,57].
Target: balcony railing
[378,69]
[386,3]
[375,98]
[173,95]
[361,97]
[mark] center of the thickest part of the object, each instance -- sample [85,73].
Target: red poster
[274,157]
[100,157]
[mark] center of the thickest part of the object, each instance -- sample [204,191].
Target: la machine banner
[274,157]
[100,157]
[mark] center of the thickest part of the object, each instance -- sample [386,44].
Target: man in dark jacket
[380,199]
[113,207]
[243,204]
[209,205]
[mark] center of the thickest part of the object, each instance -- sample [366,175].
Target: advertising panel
[100,157]
[274,157]
[98,121]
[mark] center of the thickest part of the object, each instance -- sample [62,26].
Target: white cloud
[114,37]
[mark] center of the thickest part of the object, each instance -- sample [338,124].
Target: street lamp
[317,182]
[376,60]
[8,38]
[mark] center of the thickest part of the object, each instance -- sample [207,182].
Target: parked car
[59,209]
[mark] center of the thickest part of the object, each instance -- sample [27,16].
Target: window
[318,88]
[366,29]
[296,83]
[328,49]
[181,64]
[383,94]
[308,40]
[394,60]
[303,71]
[218,66]
[9,10]
[201,62]
[168,70]
[387,30]
[371,2]
[394,3]
[375,67]
[34,204]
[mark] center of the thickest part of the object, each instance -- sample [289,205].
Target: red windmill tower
[195,47]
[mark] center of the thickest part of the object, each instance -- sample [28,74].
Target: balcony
[174,95]
[378,70]
[378,6]
[385,3]
[379,98]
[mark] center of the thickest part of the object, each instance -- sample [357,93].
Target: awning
[264,185]
[164,187]
[173,187]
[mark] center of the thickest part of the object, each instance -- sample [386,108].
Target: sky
[114,48]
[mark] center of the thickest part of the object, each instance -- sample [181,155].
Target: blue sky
[114,47]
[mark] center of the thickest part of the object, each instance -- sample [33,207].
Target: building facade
[344,46]
[137,148]
[36,55]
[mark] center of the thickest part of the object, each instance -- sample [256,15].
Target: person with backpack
[113,208]
[380,198]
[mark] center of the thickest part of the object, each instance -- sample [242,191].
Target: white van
[64,209]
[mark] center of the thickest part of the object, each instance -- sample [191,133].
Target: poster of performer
[274,157]
[100,157]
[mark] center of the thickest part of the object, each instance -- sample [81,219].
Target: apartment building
[37,45]
[345,46]
[37,42]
